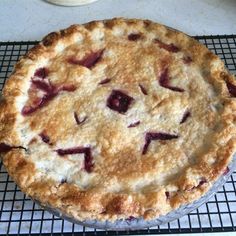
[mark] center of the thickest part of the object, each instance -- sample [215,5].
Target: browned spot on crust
[50,39]
[134,36]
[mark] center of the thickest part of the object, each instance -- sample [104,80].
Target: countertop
[32,19]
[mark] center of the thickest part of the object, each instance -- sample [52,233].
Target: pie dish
[117,119]
[71,2]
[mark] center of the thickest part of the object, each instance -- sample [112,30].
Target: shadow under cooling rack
[19,215]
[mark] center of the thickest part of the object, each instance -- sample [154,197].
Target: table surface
[32,19]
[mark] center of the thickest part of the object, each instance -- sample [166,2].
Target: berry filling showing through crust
[201,182]
[119,101]
[6,148]
[43,85]
[231,88]
[165,79]
[134,37]
[38,104]
[63,181]
[41,73]
[134,124]
[156,136]
[88,61]
[226,171]
[44,138]
[50,91]
[187,60]
[167,195]
[88,159]
[43,101]
[186,115]
[131,218]
[65,87]
[78,121]
[105,81]
[144,91]
[169,47]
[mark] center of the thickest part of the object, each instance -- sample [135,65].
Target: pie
[116,119]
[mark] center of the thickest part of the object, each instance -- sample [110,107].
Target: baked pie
[116,119]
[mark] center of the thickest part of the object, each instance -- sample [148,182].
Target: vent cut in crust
[116,119]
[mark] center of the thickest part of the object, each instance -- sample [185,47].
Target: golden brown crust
[123,182]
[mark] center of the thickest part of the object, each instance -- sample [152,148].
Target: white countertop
[32,19]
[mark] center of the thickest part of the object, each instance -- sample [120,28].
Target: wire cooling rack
[20,216]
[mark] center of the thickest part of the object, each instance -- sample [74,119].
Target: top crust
[83,153]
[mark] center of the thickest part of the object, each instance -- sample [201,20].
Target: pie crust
[116,119]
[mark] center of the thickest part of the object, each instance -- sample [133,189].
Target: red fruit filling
[42,85]
[226,171]
[144,91]
[73,60]
[169,47]
[63,181]
[134,124]
[69,151]
[39,103]
[78,121]
[165,79]
[105,81]
[65,87]
[186,115]
[41,73]
[156,136]
[134,37]
[44,138]
[6,148]
[51,92]
[119,101]
[231,88]
[131,218]
[187,60]
[88,159]
[167,195]
[201,182]
[88,61]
